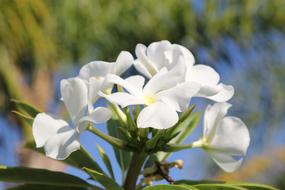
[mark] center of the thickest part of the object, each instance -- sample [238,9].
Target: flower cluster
[169,80]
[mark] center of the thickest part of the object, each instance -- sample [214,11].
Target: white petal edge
[123,99]
[74,93]
[232,137]
[141,69]
[158,116]
[62,144]
[123,62]
[225,93]
[179,96]
[141,55]
[226,162]
[212,118]
[96,69]
[164,79]
[133,89]
[203,74]
[44,126]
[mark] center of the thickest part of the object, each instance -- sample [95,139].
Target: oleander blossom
[225,139]
[163,96]
[158,55]
[59,138]
[95,72]
[167,81]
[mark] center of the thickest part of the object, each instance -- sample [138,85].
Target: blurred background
[43,41]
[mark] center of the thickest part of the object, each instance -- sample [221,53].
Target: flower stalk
[112,140]
[134,170]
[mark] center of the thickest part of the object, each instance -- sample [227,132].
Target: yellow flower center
[149,100]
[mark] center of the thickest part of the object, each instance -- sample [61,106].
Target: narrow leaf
[106,160]
[27,108]
[253,186]
[169,187]
[48,187]
[123,157]
[184,129]
[41,177]
[104,180]
[217,187]
[24,116]
[79,159]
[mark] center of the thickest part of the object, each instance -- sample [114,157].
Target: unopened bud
[178,164]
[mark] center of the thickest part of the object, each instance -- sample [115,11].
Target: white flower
[58,138]
[162,54]
[163,96]
[226,139]
[94,73]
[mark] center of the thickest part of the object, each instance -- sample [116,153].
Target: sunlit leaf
[106,160]
[48,187]
[107,182]
[184,129]
[25,107]
[123,157]
[40,177]
[79,159]
[169,187]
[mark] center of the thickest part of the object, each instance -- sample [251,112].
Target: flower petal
[94,86]
[158,116]
[141,55]
[226,162]
[44,126]
[156,53]
[141,68]
[96,69]
[136,81]
[98,115]
[213,117]
[75,97]
[62,144]
[179,96]
[123,99]
[203,74]
[123,62]
[232,137]
[164,79]
[187,55]
[128,84]
[225,93]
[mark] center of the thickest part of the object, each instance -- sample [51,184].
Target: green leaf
[106,160]
[79,159]
[25,107]
[197,182]
[217,187]
[252,186]
[40,177]
[184,129]
[123,157]
[169,187]
[24,116]
[48,187]
[107,182]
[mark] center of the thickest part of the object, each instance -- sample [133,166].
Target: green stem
[177,147]
[112,140]
[134,170]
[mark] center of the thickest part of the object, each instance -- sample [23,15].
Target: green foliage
[40,177]
[211,186]
[47,187]
[107,182]
[106,160]
[123,157]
